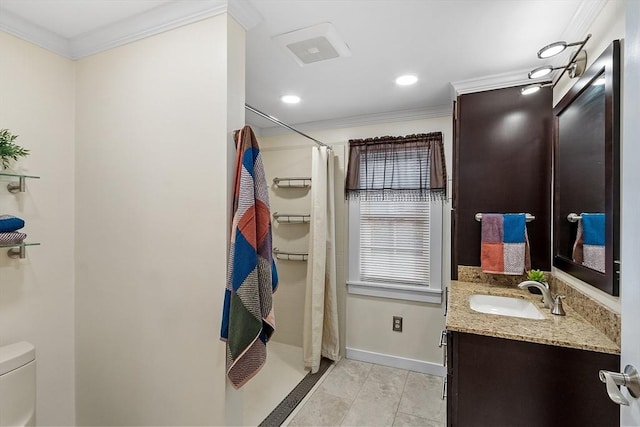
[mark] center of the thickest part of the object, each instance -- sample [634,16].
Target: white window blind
[394,241]
[395,237]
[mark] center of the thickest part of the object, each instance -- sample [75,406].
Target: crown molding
[13,24]
[163,18]
[577,29]
[495,81]
[363,120]
[584,17]
[244,12]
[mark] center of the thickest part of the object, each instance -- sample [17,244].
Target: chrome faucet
[547,298]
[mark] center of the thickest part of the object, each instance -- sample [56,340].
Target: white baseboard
[397,362]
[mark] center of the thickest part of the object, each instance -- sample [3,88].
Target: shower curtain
[321,308]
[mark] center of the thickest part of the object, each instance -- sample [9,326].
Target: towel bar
[529,217]
[574,217]
[294,182]
[290,256]
[292,218]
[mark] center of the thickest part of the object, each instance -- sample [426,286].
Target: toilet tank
[18,385]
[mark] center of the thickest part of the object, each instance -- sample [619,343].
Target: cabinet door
[496,382]
[452,389]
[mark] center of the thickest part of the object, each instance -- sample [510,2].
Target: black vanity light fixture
[576,66]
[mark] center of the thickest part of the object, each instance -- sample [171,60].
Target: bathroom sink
[504,306]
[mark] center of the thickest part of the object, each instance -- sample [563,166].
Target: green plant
[8,150]
[536,276]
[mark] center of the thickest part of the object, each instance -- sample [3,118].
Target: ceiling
[465,45]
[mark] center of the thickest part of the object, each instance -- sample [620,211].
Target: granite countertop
[571,330]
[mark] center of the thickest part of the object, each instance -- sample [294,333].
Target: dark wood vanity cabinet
[500,382]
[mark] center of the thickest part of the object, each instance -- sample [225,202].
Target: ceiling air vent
[313,44]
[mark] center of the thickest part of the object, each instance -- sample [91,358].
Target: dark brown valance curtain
[410,167]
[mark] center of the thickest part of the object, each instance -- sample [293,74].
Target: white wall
[152,173]
[365,322]
[236,64]
[630,245]
[608,26]
[36,293]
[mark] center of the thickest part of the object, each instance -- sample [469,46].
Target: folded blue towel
[10,223]
[593,228]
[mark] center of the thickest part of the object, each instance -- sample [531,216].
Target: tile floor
[363,394]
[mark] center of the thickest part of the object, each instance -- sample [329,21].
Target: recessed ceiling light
[406,80]
[290,99]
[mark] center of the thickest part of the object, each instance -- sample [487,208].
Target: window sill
[397,291]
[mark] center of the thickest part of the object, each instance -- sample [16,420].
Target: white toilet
[18,385]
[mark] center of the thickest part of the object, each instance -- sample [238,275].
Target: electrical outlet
[397,323]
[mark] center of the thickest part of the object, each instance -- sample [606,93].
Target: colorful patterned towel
[248,319]
[589,247]
[504,244]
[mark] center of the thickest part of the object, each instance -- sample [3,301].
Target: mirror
[586,175]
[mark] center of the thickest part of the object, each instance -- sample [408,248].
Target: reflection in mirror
[589,241]
[581,179]
[586,175]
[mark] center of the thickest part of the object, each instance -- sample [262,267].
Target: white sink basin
[504,306]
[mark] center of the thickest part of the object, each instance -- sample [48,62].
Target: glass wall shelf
[18,250]
[20,186]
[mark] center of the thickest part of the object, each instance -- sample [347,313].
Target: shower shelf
[17,250]
[290,256]
[294,182]
[292,218]
[20,186]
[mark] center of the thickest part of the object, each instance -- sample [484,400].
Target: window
[394,241]
[395,231]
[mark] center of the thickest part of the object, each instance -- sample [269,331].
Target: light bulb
[552,49]
[527,90]
[540,72]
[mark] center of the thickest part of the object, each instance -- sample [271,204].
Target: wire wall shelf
[282,218]
[293,182]
[290,256]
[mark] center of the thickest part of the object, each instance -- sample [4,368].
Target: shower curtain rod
[278,122]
